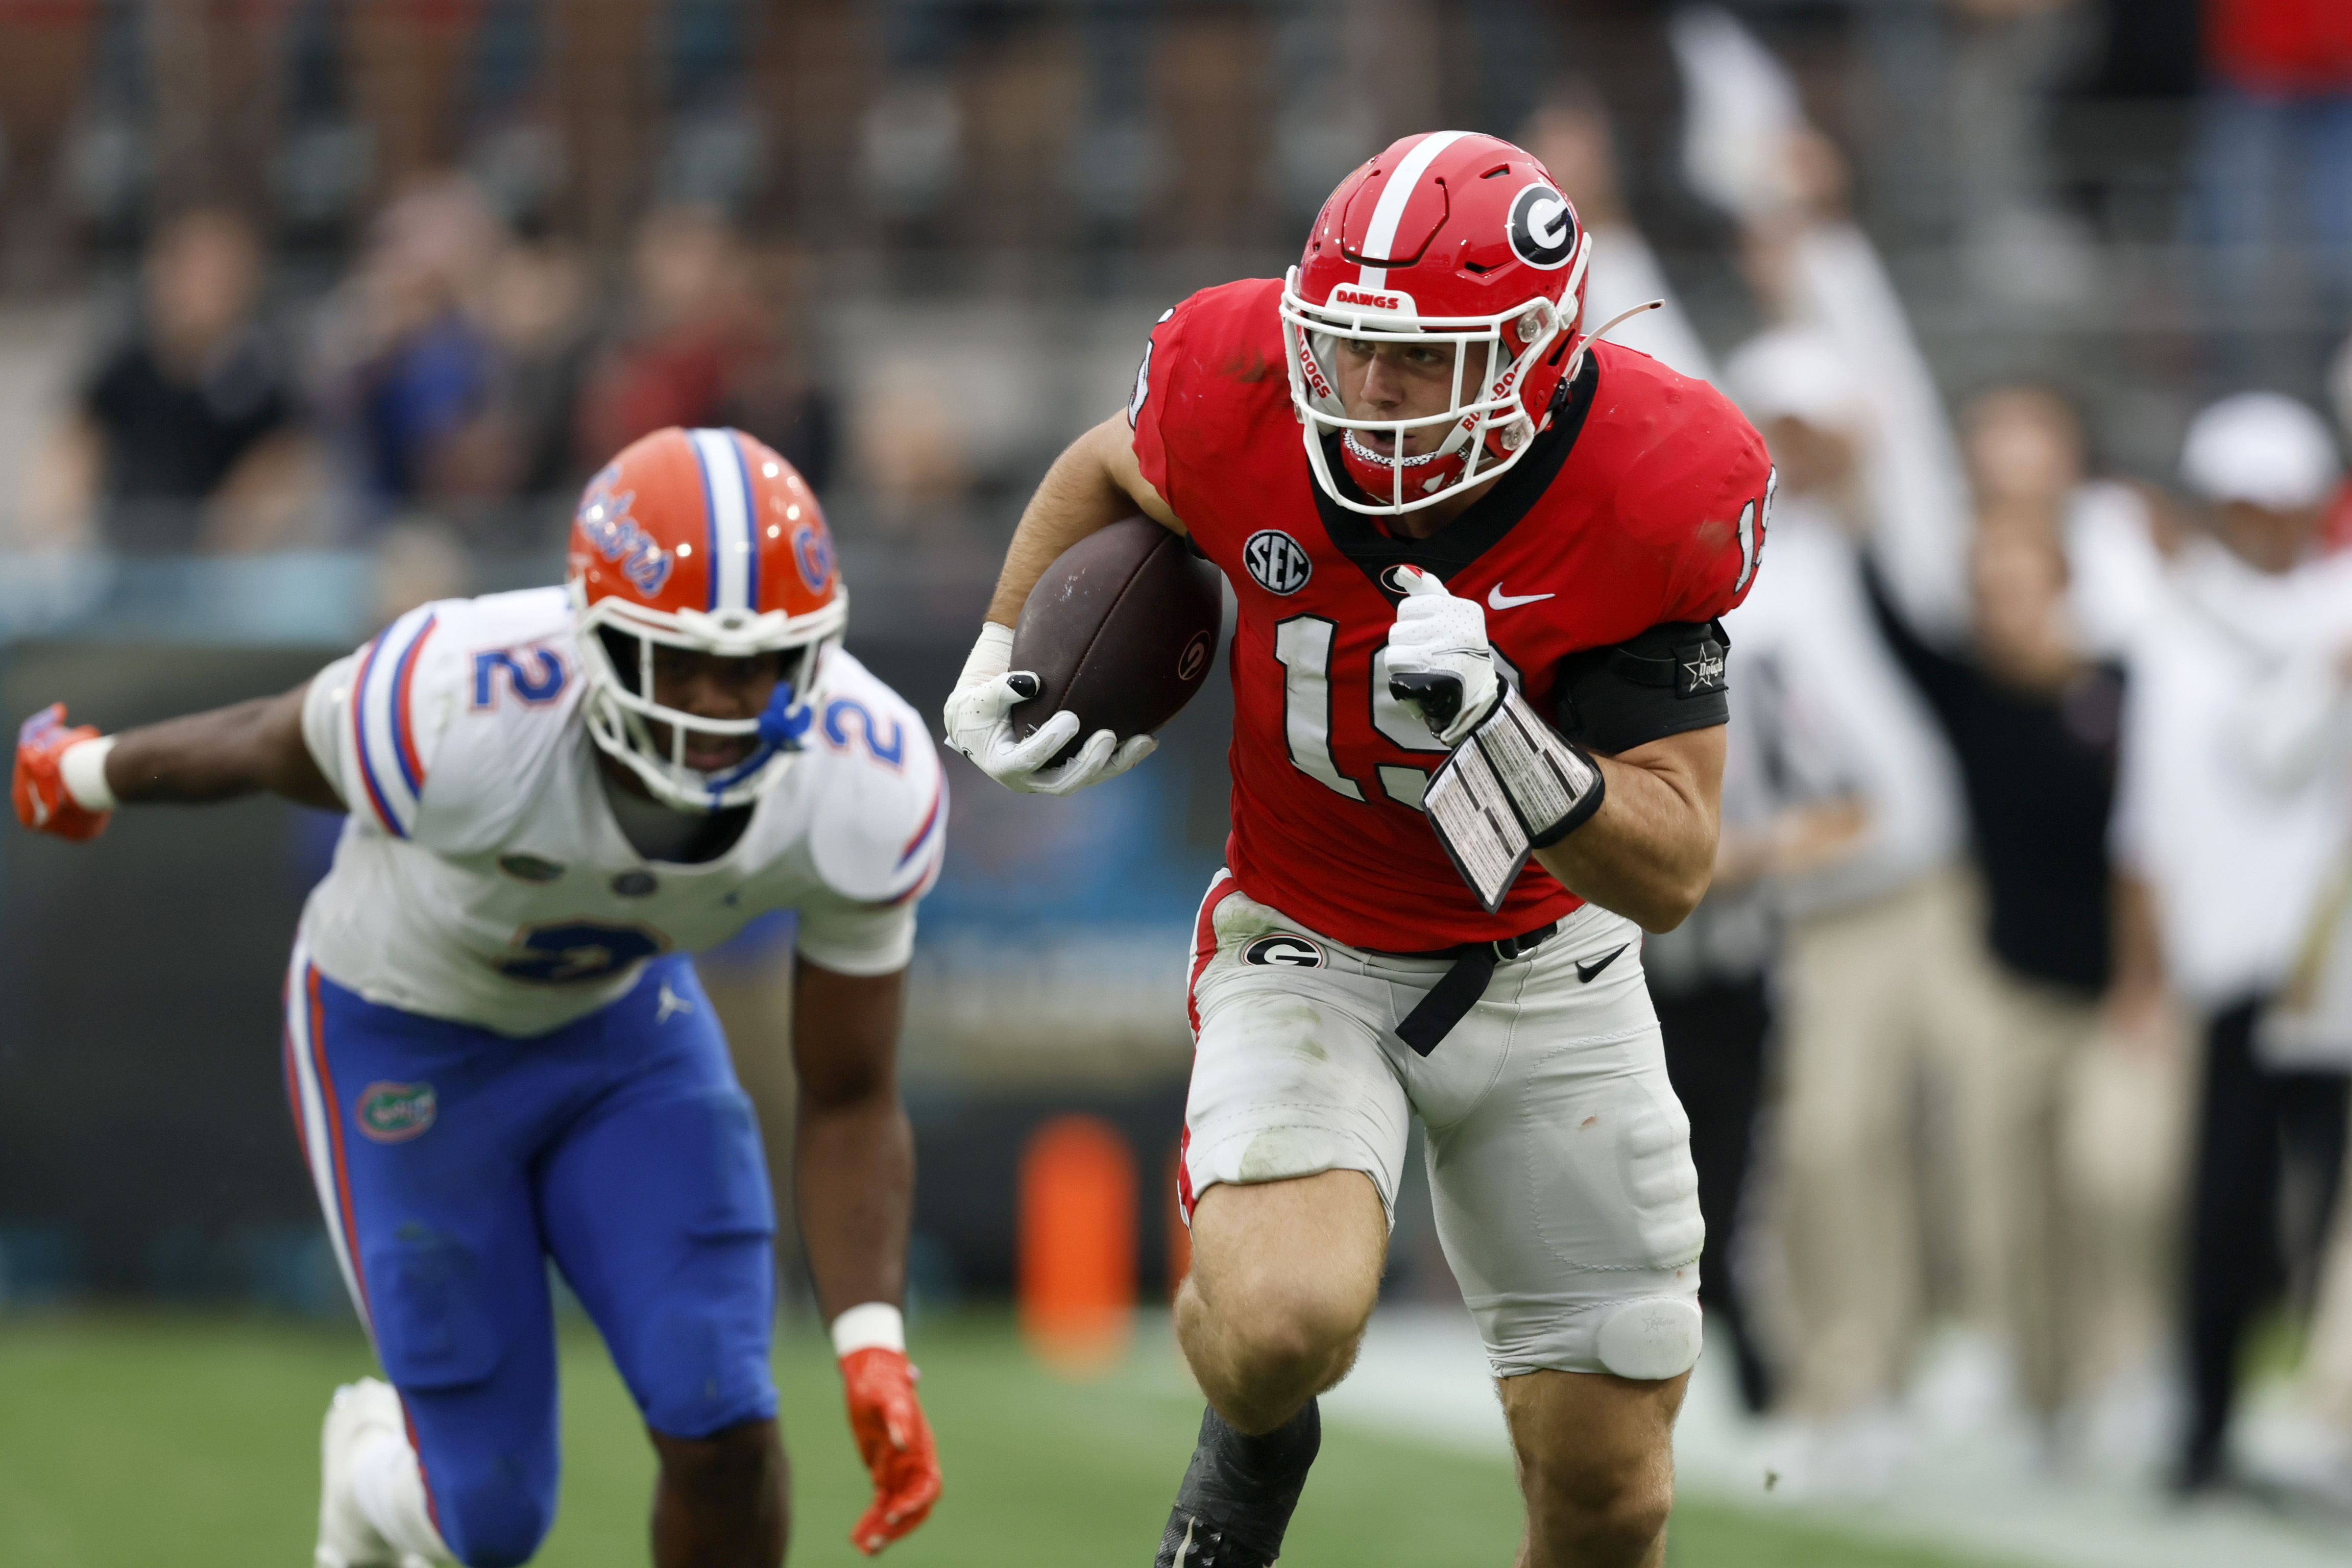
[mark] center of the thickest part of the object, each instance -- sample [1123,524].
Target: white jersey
[481,876]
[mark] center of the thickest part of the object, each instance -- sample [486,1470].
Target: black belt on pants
[1458,989]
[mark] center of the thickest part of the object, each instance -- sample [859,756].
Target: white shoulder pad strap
[879,831]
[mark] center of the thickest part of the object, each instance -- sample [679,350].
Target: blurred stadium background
[312,309]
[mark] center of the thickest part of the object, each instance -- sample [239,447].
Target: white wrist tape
[83,768]
[876,1326]
[1513,786]
[989,657]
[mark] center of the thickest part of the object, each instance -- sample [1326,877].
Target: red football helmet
[704,540]
[1448,236]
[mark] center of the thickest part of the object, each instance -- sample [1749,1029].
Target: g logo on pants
[1286,951]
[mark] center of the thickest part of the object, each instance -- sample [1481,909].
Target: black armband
[1659,682]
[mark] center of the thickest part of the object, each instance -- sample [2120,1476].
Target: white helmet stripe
[725,486]
[1398,190]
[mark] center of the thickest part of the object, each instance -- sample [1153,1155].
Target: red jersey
[2281,45]
[1626,514]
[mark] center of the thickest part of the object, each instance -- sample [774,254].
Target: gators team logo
[395,1113]
[1279,561]
[813,553]
[605,518]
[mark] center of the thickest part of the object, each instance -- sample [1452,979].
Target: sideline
[1959,1488]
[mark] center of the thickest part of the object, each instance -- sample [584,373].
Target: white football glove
[1439,664]
[978,726]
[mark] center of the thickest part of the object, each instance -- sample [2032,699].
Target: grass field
[137,1441]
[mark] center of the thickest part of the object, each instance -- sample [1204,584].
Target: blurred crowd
[359,271]
[2023,1000]
[2021,1008]
[460,381]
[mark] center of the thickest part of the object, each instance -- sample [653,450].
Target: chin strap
[783,726]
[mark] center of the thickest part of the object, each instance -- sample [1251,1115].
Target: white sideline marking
[1422,1376]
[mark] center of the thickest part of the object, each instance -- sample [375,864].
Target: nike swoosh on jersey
[1499,600]
[1586,971]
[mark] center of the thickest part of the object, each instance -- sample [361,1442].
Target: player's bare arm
[242,749]
[1093,482]
[1633,832]
[1649,851]
[854,1160]
[854,1172]
[1091,486]
[68,780]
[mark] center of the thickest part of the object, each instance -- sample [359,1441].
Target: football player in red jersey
[1476,631]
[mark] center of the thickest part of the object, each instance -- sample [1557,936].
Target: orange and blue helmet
[708,541]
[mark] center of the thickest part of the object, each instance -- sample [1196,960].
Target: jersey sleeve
[1705,496]
[435,730]
[1211,381]
[879,835]
[325,710]
[851,938]
[883,842]
[374,728]
[1159,380]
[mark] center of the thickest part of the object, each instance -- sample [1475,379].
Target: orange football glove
[894,1440]
[43,803]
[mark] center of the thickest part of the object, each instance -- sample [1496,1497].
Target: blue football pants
[452,1163]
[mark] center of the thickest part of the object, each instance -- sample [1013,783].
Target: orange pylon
[1077,1244]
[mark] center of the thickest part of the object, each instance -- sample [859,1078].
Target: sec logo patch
[1277,561]
[1284,952]
[395,1113]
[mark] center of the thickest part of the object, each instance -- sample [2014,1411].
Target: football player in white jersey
[496,1046]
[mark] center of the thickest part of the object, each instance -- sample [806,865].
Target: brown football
[1121,631]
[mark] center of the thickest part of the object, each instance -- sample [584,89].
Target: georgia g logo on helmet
[1542,229]
[1447,239]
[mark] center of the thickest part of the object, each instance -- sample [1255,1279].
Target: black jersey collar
[1482,526]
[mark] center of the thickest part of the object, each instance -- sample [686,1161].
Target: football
[1121,631]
